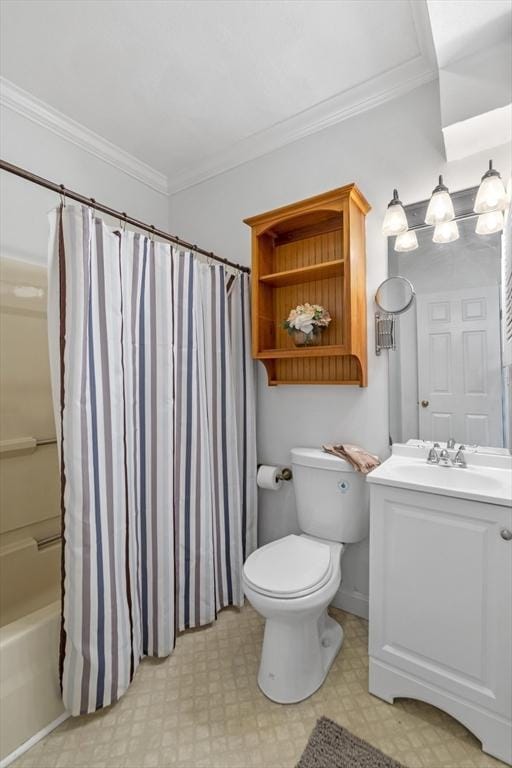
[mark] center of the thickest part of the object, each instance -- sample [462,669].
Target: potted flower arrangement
[305,324]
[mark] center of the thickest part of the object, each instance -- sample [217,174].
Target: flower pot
[301,339]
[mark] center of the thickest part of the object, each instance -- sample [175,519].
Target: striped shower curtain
[154,401]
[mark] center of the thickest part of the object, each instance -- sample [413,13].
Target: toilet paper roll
[267,478]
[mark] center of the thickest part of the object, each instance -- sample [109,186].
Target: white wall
[477,83]
[397,144]
[24,206]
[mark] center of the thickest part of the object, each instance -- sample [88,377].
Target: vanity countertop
[487,477]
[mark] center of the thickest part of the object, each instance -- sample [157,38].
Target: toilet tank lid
[316,457]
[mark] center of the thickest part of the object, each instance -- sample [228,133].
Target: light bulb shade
[395,220]
[407,241]
[491,195]
[446,232]
[488,223]
[440,208]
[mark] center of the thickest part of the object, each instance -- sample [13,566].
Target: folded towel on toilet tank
[361,460]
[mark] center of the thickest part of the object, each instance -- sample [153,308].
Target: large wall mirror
[448,375]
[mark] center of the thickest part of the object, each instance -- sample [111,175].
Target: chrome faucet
[433,455]
[444,458]
[459,459]
[450,444]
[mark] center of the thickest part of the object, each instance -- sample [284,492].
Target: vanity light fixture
[491,201]
[446,232]
[491,195]
[406,241]
[488,223]
[440,207]
[395,220]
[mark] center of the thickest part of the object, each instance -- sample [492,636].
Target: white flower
[304,322]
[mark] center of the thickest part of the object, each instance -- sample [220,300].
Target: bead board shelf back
[311,251]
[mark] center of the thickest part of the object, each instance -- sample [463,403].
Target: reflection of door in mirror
[459,366]
[446,376]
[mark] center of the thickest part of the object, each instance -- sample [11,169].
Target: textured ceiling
[176,83]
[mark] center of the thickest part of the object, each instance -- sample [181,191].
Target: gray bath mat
[331,746]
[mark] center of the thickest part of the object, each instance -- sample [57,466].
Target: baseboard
[351,601]
[5,761]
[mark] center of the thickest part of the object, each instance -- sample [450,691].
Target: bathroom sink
[469,479]
[486,478]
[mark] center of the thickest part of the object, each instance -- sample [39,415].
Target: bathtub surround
[145,344]
[30,698]
[29,494]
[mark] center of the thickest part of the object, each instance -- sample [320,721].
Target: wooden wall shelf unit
[313,250]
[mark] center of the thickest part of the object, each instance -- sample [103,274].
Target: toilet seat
[293,566]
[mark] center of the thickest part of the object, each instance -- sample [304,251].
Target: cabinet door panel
[439,576]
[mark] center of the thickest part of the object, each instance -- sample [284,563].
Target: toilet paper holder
[284,474]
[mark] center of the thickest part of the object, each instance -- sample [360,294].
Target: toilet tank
[332,499]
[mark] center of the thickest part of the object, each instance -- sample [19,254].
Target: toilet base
[297,655]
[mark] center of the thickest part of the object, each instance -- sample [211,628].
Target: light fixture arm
[441,187]
[491,172]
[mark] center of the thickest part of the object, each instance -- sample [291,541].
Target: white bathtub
[30,701]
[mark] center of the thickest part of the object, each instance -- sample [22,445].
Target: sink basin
[468,479]
[486,478]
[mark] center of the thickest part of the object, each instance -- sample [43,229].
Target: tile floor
[202,707]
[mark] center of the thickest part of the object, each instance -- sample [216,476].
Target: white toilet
[291,581]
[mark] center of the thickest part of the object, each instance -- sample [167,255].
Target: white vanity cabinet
[441,607]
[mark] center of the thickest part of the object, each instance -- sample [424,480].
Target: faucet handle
[459,459]
[433,456]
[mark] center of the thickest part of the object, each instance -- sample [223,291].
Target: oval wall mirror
[395,295]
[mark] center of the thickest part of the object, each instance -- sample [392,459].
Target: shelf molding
[320,271]
[328,350]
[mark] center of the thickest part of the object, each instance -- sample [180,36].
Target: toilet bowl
[292,581]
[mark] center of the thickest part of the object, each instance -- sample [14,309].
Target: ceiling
[193,87]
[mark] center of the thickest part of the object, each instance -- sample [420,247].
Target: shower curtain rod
[121,215]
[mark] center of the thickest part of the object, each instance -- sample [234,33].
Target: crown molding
[389,85]
[386,86]
[20,101]
[343,106]
[423,30]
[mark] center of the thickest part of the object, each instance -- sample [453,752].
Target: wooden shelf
[311,251]
[315,382]
[320,271]
[327,350]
